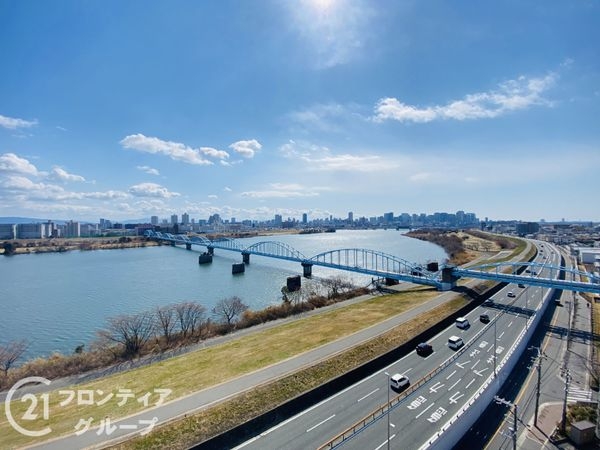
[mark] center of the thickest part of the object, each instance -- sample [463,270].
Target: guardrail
[381,411]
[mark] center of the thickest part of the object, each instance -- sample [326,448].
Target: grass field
[207,367]
[201,426]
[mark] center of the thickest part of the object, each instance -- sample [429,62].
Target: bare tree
[166,320]
[10,353]
[229,309]
[335,285]
[190,316]
[131,331]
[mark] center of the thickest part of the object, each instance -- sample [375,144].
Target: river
[57,301]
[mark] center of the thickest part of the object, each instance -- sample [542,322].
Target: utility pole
[388,409]
[539,382]
[502,401]
[563,424]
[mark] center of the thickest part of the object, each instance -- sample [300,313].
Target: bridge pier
[188,246]
[246,257]
[293,283]
[210,250]
[448,279]
[237,268]
[172,243]
[307,269]
[205,258]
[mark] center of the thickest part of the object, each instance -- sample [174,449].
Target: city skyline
[252,110]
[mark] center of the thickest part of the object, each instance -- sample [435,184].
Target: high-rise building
[350,217]
[304,218]
[173,219]
[185,219]
[72,229]
[31,231]
[278,220]
[154,220]
[105,224]
[8,231]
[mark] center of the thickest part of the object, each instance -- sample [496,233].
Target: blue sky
[253,108]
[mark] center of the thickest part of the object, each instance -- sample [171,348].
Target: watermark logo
[30,413]
[42,405]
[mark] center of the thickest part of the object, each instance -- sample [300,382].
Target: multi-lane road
[457,377]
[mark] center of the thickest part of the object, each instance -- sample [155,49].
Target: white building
[72,229]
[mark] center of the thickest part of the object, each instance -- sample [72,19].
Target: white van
[454,342]
[462,322]
[399,382]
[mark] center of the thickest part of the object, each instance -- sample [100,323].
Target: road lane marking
[509,325]
[320,423]
[423,412]
[470,383]
[365,396]
[455,399]
[479,372]
[475,365]
[435,387]
[452,387]
[449,376]
[385,442]
[501,334]
[406,371]
[392,425]
[462,365]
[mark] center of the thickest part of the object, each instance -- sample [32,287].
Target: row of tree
[171,326]
[127,335]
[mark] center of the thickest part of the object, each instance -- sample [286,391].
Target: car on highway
[511,295]
[484,318]
[462,322]
[488,302]
[399,382]
[424,349]
[455,342]
[521,285]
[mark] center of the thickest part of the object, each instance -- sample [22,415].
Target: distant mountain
[17,220]
[26,220]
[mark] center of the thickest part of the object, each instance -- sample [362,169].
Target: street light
[388,409]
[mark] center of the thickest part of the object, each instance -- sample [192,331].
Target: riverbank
[61,245]
[464,246]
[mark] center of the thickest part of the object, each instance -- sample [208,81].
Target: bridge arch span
[372,260]
[275,249]
[226,243]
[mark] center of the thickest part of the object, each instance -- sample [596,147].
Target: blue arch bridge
[383,265]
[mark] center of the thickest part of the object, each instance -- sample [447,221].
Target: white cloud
[213,196]
[511,95]
[227,189]
[9,162]
[327,117]
[62,175]
[108,195]
[149,170]
[174,150]
[214,153]
[151,190]
[53,192]
[246,148]
[281,190]
[335,31]
[13,124]
[321,158]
